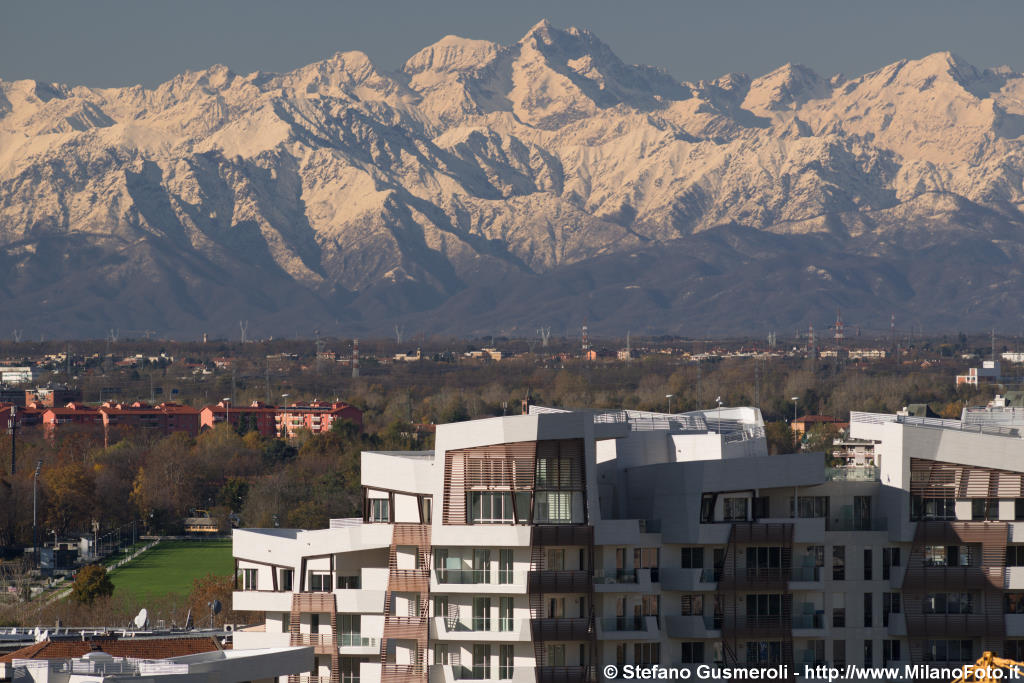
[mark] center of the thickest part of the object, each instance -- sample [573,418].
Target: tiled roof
[136,648]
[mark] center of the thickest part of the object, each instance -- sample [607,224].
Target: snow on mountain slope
[478,167]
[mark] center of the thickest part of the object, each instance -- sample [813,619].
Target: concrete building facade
[544,547]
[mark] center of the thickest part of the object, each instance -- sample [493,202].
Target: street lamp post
[35,536]
[719,401]
[795,399]
[669,397]
[227,411]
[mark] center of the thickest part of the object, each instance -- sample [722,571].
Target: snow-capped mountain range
[485,188]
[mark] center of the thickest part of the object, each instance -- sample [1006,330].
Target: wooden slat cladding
[506,467]
[560,465]
[407,628]
[323,644]
[986,574]
[934,479]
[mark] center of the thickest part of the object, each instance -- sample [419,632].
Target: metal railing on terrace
[934,423]
[633,623]
[865,473]
[346,522]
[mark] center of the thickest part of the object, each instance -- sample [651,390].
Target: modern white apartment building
[542,547]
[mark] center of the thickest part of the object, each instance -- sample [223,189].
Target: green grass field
[171,566]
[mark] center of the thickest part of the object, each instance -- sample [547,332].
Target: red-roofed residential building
[261,416]
[71,415]
[805,422]
[317,417]
[165,417]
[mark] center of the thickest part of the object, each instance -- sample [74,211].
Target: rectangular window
[693,558]
[869,605]
[490,507]
[505,614]
[441,606]
[556,655]
[348,583]
[890,559]
[984,509]
[646,654]
[286,580]
[692,605]
[761,507]
[1015,556]
[556,559]
[505,565]
[839,653]
[926,509]
[890,651]
[506,659]
[869,657]
[314,623]
[735,509]
[808,506]
[948,651]
[890,605]
[867,564]
[380,510]
[692,653]
[481,614]
[838,563]
[249,579]
[948,603]
[838,610]
[441,653]
[349,627]
[554,507]
[1018,511]
[349,668]
[320,582]
[481,661]
[1014,603]
[707,508]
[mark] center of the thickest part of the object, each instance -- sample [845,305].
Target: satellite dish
[216,607]
[142,618]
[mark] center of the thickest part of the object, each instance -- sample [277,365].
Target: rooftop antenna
[993,343]
[586,339]
[399,331]
[810,338]
[355,358]
[839,325]
[243,325]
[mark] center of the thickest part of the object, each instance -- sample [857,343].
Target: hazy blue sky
[119,42]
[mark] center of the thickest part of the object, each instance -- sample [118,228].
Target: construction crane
[985,669]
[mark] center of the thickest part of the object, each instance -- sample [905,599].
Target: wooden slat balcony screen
[508,467]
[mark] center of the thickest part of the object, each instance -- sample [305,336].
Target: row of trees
[158,481]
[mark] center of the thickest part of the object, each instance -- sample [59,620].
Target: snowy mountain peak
[481,184]
[785,88]
[452,53]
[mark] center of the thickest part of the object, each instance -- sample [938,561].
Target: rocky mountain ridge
[485,188]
